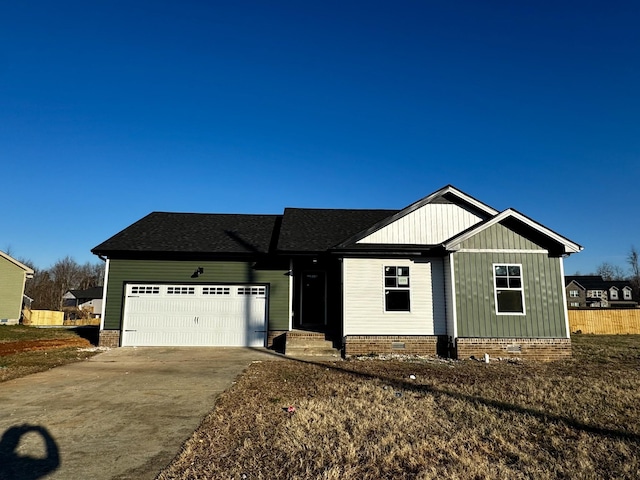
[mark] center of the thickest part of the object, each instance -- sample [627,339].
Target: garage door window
[181,290]
[251,291]
[216,290]
[145,290]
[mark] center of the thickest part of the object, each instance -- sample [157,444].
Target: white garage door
[194,315]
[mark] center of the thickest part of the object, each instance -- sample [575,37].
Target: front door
[313,302]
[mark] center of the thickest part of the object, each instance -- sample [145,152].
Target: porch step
[304,344]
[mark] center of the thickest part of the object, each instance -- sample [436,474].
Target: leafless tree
[610,272]
[47,287]
[633,259]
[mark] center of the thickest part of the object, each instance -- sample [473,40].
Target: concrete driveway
[123,414]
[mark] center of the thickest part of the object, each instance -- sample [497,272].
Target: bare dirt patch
[10,348]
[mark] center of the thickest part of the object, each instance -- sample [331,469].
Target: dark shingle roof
[88,294]
[161,232]
[317,230]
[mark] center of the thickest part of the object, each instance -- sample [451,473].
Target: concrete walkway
[123,414]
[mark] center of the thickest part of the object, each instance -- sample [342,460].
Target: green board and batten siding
[475,299]
[122,272]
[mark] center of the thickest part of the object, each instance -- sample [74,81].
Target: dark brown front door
[313,301]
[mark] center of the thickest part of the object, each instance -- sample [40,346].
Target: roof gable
[10,259]
[516,221]
[429,221]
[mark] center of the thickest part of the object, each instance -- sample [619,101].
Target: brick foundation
[355,345]
[542,349]
[109,338]
[276,339]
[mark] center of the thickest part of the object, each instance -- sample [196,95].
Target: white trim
[499,250]
[564,301]
[453,297]
[290,295]
[521,289]
[104,295]
[569,246]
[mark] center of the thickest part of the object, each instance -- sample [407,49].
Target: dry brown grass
[27,350]
[468,420]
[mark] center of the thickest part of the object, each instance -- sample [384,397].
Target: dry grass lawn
[368,419]
[27,350]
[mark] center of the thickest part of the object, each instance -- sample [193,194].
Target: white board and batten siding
[430,224]
[194,315]
[364,303]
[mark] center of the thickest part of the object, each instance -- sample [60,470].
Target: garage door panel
[228,315]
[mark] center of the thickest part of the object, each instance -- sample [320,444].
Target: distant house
[89,300]
[592,291]
[13,276]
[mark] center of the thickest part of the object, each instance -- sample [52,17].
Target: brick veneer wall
[109,338]
[355,345]
[544,349]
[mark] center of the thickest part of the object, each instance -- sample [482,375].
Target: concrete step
[301,343]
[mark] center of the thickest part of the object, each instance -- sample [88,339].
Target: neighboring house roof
[28,271]
[87,294]
[318,230]
[583,280]
[162,232]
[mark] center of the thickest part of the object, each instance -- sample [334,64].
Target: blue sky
[110,110]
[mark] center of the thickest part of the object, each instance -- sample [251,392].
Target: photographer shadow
[15,466]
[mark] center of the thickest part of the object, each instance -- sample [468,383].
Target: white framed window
[574,293]
[508,290]
[613,293]
[626,293]
[595,293]
[574,304]
[397,289]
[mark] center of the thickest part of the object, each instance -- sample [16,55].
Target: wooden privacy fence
[605,321]
[42,317]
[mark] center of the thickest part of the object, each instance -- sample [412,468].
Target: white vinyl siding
[430,224]
[194,315]
[364,305]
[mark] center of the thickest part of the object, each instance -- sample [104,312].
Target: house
[447,274]
[592,291]
[13,276]
[88,300]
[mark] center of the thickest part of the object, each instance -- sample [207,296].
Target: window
[508,289]
[397,292]
[574,293]
[251,290]
[626,293]
[574,304]
[216,290]
[595,293]
[145,289]
[613,293]
[181,290]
